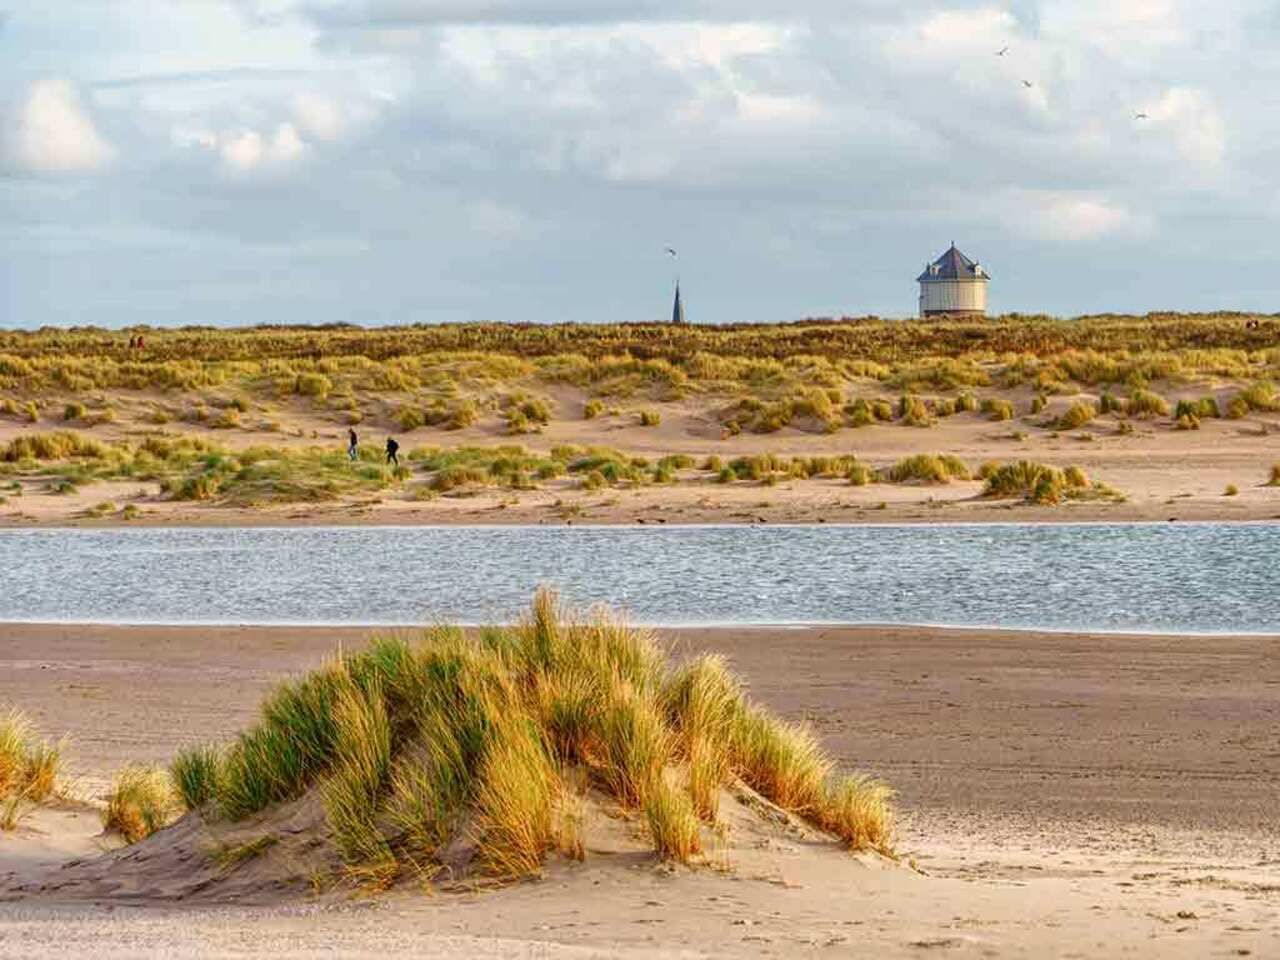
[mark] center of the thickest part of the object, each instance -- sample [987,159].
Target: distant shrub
[928,468]
[1237,408]
[1038,403]
[457,476]
[1036,482]
[1145,403]
[1231,491]
[1110,403]
[73,411]
[1187,421]
[859,475]
[410,418]
[1202,409]
[592,409]
[966,402]
[594,480]
[997,409]
[314,385]
[62,445]
[650,418]
[227,419]
[1275,476]
[914,412]
[1260,396]
[1077,415]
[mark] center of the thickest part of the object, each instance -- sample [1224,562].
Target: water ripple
[1203,578]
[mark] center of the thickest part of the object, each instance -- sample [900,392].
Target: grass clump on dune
[997,409]
[140,803]
[929,468]
[29,767]
[1042,484]
[1145,403]
[492,742]
[1077,415]
[195,773]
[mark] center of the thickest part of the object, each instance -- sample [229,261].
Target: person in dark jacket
[392,451]
[353,446]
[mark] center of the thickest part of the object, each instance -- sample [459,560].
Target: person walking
[392,451]
[353,447]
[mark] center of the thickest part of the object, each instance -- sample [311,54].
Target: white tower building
[953,285]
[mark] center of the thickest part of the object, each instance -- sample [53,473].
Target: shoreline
[786,626]
[111,524]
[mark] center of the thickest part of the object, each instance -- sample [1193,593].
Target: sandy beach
[1061,795]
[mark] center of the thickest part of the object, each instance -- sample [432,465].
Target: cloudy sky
[391,161]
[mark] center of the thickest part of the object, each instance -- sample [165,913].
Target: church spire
[677,309]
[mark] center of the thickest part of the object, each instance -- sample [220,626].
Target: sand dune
[1062,795]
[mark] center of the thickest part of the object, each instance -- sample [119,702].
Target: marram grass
[29,767]
[140,803]
[495,739]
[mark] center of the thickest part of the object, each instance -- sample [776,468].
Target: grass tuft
[29,767]
[858,810]
[140,803]
[195,775]
[673,824]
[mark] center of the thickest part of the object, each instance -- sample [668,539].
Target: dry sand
[1164,473]
[1062,795]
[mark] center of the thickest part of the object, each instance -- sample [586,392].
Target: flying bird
[670,250]
[1002,51]
[1140,116]
[1028,84]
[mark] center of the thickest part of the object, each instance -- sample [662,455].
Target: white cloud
[1191,119]
[956,34]
[319,116]
[1072,218]
[54,134]
[248,150]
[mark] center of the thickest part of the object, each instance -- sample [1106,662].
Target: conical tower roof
[953,265]
[677,309]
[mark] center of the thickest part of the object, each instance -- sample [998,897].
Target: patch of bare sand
[1064,795]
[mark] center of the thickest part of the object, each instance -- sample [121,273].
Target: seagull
[1028,84]
[1002,51]
[670,250]
[1140,116]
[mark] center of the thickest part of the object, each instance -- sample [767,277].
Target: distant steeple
[677,309]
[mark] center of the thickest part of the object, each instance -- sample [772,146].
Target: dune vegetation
[1042,484]
[192,469]
[502,744]
[817,376]
[30,767]
[258,416]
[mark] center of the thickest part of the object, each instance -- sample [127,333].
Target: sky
[236,162]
